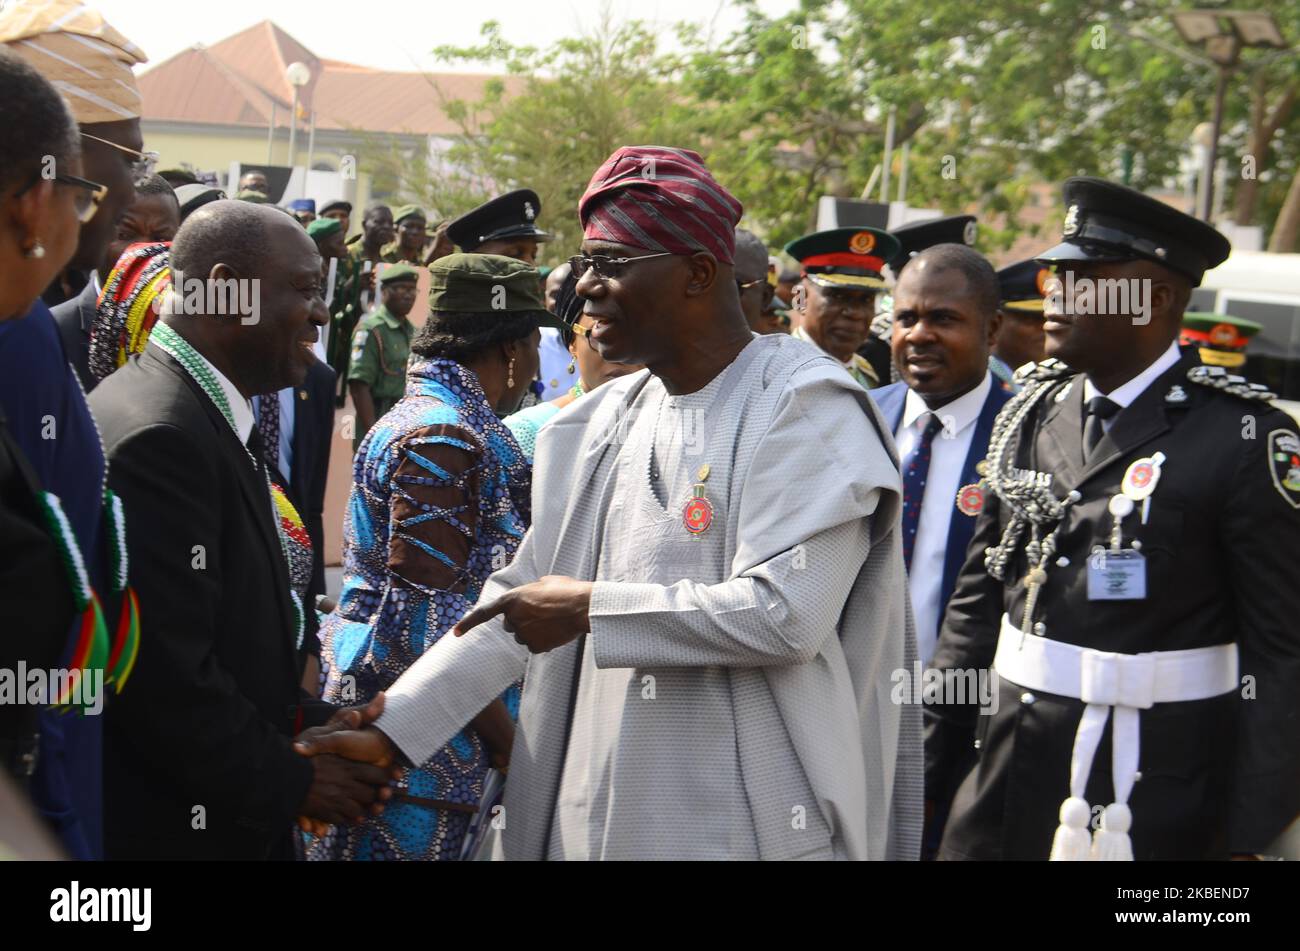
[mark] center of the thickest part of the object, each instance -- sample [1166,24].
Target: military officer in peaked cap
[1132,579]
[840,276]
[505,225]
[1220,339]
[1020,337]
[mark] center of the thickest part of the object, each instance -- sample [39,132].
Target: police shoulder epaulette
[1217,378]
[1049,369]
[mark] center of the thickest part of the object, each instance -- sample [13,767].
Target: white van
[1265,288]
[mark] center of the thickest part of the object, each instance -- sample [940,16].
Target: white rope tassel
[1111,842]
[1071,842]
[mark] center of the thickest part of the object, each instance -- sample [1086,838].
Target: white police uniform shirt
[1126,394]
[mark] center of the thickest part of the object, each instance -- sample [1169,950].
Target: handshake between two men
[354,761]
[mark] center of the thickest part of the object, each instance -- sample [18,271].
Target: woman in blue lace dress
[440,500]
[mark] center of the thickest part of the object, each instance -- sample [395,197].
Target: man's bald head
[253,276]
[751,257]
[233,233]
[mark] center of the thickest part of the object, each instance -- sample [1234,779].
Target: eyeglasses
[142,167]
[87,200]
[606,267]
[746,285]
[88,197]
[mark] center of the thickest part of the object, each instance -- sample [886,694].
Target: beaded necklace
[1028,498]
[92,650]
[180,350]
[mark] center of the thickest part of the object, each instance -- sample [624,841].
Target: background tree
[990,103]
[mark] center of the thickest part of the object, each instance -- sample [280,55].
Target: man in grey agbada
[712,589]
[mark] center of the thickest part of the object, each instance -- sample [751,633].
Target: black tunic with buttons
[1222,552]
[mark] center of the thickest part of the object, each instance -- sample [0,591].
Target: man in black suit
[154,215]
[1132,579]
[198,759]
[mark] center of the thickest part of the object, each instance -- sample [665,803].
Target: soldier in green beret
[356,286]
[380,347]
[412,233]
[328,235]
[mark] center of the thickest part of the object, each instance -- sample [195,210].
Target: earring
[573,365]
[510,373]
[35,251]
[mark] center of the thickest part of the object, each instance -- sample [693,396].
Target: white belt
[1104,681]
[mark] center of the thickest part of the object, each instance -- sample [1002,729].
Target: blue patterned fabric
[527,423]
[440,500]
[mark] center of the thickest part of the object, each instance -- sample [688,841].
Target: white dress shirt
[240,408]
[947,458]
[1127,393]
[553,365]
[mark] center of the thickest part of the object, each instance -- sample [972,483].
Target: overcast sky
[395,34]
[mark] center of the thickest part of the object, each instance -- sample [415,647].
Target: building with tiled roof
[209,106]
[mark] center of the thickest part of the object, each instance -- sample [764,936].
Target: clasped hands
[354,761]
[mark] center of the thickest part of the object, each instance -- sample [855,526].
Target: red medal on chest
[697,513]
[970,499]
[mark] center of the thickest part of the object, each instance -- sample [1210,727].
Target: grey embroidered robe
[797,605]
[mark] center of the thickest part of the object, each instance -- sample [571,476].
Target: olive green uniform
[380,347]
[349,305]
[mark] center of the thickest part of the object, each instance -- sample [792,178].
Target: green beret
[323,227]
[408,211]
[398,272]
[487,283]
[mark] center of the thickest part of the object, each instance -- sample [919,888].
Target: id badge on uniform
[1117,576]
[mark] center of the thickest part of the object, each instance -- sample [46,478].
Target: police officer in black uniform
[1139,504]
[505,225]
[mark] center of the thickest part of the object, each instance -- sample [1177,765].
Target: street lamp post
[1223,33]
[298,75]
